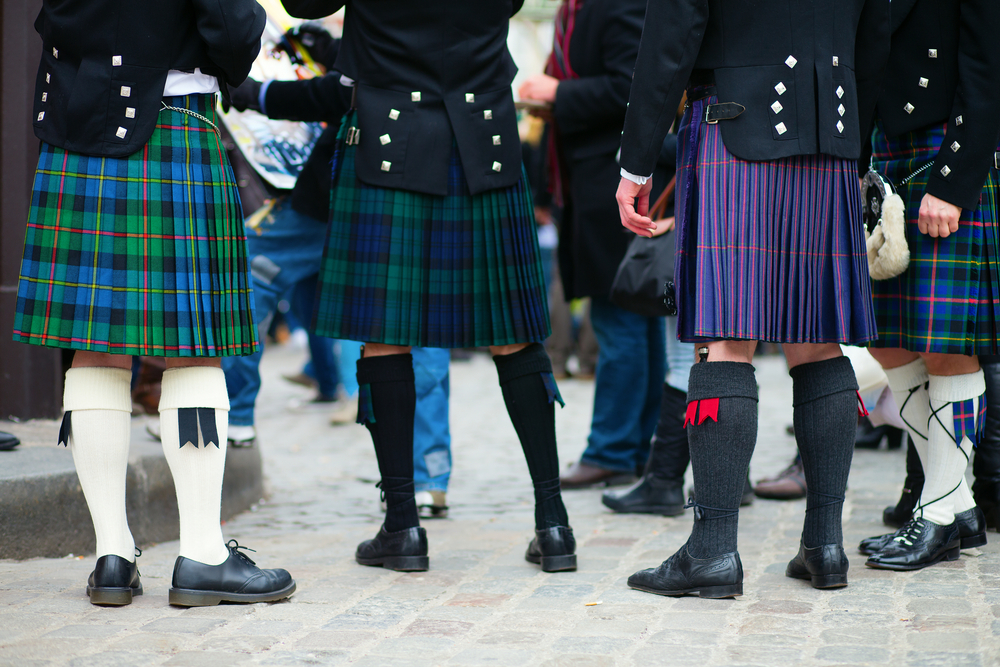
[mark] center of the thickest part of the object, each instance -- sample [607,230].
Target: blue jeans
[680,358]
[284,250]
[628,384]
[431,435]
[322,365]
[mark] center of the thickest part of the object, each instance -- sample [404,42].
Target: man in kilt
[936,140]
[432,242]
[134,246]
[770,247]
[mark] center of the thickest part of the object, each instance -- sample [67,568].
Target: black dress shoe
[114,581]
[651,495]
[916,545]
[971,532]
[554,549]
[9,441]
[870,437]
[825,566]
[237,579]
[897,515]
[682,574]
[401,550]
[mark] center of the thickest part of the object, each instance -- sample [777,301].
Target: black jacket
[945,68]
[808,73]
[322,99]
[589,112]
[105,62]
[429,74]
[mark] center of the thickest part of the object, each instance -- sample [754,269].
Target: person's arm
[312,9]
[871,55]
[320,99]
[597,101]
[231,30]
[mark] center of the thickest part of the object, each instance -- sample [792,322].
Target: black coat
[105,62]
[429,74]
[945,66]
[589,112]
[322,99]
[808,74]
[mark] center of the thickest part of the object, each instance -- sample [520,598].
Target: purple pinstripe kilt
[768,251]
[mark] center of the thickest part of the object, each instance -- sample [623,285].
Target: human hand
[314,38]
[938,218]
[541,87]
[663,226]
[633,207]
[246,95]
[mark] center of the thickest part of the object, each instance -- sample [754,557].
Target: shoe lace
[234,547]
[699,511]
[908,534]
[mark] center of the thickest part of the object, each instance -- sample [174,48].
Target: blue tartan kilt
[407,268]
[948,300]
[768,251]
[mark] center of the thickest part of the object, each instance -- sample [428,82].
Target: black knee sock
[669,455]
[722,432]
[387,400]
[826,415]
[530,394]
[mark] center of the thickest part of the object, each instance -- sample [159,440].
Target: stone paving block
[85,632]
[630,626]
[363,622]
[394,661]
[477,600]
[296,658]
[940,623]
[267,628]
[205,659]
[936,590]
[684,637]
[941,659]
[511,637]
[154,642]
[564,591]
[677,655]
[839,618]
[437,628]
[491,656]
[427,647]
[771,640]
[117,659]
[580,661]
[591,645]
[764,655]
[943,641]
[859,635]
[780,607]
[194,626]
[766,624]
[336,639]
[695,621]
[940,606]
[853,654]
[239,643]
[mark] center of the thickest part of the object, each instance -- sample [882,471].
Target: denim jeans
[628,384]
[284,250]
[322,365]
[431,435]
[680,358]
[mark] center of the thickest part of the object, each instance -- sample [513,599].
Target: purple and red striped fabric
[769,251]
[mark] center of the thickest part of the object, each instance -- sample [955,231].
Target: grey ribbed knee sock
[825,400]
[720,450]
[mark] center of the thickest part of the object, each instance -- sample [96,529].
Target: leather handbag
[644,283]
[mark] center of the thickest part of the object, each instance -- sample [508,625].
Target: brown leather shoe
[789,484]
[581,475]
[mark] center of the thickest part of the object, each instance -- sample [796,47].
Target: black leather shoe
[916,545]
[237,579]
[651,495]
[870,437]
[554,549]
[113,582]
[401,550]
[971,532]
[897,515]
[682,574]
[825,566]
[9,441]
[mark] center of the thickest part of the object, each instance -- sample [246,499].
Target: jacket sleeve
[966,154]
[671,40]
[231,30]
[597,101]
[871,55]
[312,9]
[322,99]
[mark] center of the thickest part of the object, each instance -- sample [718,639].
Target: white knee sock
[909,387]
[197,467]
[945,489]
[100,404]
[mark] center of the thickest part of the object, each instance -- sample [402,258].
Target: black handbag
[644,283]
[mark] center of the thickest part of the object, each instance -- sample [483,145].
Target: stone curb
[43,512]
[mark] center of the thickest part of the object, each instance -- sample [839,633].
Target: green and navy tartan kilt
[144,254]
[406,268]
[948,300]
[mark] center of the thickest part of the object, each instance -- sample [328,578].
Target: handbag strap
[659,207]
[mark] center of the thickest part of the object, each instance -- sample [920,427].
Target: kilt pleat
[769,251]
[406,268]
[139,255]
[948,299]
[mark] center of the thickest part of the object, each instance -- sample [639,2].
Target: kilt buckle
[353,136]
[996,160]
[722,111]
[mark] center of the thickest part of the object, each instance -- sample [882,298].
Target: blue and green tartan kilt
[144,254]
[406,268]
[948,300]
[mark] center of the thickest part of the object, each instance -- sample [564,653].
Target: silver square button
[780,88]
[791,62]
[496,166]
[55,52]
[841,109]
[126,91]
[48,78]
[776,107]
[923,82]
[41,115]
[840,91]
[116,61]
[45,97]
[932,53]
[840,126]
[393,114]
[386,165]
[130,112]
[470,98]
[959,120]
[945,170]
[415,96]
[488,114]
[384,139]
[836,61]
[121,133]
[781,129]
[909,108]
[955,146]
[496,139]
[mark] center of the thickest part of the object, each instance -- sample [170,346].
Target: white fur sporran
[885,227]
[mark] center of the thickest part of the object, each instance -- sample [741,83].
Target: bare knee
[188,362]
[740,351]
[500,350]
[797,354]
[893,357]
[382,350]
[87,359]
[950,364]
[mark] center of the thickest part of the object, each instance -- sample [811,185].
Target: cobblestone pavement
[481,603]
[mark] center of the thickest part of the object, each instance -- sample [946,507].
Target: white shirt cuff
[639,180]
